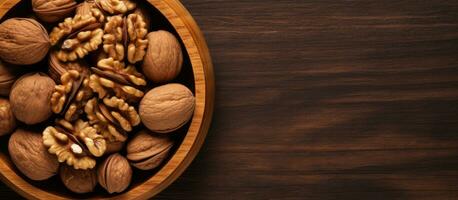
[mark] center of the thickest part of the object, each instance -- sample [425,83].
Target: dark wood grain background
[328,99]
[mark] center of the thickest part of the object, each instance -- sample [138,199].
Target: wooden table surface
[326,99]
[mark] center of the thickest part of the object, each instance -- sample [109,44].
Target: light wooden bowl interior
[197,74]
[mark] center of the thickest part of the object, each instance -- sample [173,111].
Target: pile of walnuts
[95,97]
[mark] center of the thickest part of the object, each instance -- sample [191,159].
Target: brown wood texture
[321,99]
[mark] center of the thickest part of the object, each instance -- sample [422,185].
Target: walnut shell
[7,119]
[8,74]
[51,11]
[114,146]
[163,57]
[30,156]
[23,41]
[148,150]
[167,108]
[115,174]
[77,180]
[30,98]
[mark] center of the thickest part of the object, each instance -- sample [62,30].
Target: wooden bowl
[197,75]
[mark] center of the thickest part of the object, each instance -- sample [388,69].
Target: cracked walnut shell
[77,180]
[23,41]
[167,108]
[30,96]
[53,10]
[114,174]
[30,156]
[148,150]
[77,144]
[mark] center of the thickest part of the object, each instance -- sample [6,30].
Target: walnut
[148,150]
[30,156]
[23,41]
[70,97]
[8,74]
[115,7]
[113,117]
[77,180]
[163,57]
[77,144]
[114,146]
[114,174]
[167,108]
[80,34]
[112,79]
[81,45]
[30,96]
[71,27]
[125,36]
[145,14]
[57,68]
[113,38]
[104,86]
[53,10]
[137,44]
[116,70]
[86,8]
[7,120]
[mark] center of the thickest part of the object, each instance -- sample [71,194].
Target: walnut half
[126,37]
[113,117]
[79,35]
[77,144]
[68,98]
[115,7]
[112,78]
[81,45]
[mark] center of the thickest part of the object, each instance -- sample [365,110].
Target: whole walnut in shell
[115,174]
[7,119]
[53,10]
[30,98]
[148,150]
[167,108]
[163,57]
[77,180]
[8,74]
[23,41]
[30,156]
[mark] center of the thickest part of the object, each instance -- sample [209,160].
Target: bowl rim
[199,55]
